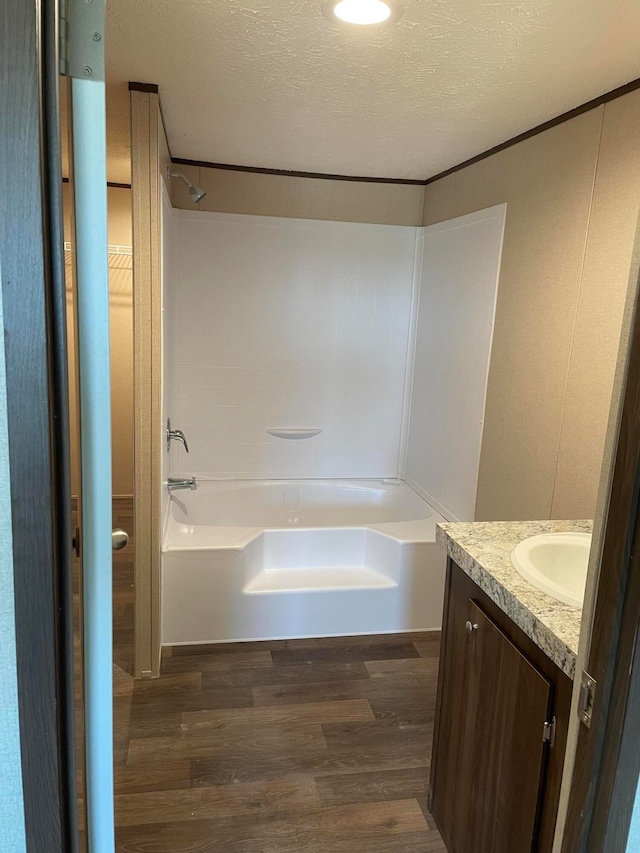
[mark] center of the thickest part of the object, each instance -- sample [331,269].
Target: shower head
[196,194]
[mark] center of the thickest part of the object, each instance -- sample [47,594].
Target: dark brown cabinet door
[451,715]
[491,753]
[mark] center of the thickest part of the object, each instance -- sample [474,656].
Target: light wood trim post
[146,130]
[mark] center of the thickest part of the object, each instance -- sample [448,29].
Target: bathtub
[257,560]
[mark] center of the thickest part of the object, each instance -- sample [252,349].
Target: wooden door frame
[607,761]
[33,297]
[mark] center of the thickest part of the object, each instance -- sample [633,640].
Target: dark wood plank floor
[306,746]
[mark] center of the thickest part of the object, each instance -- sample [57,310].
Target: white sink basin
[555,563]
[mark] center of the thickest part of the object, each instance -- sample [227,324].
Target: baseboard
[114,499]
[411,633]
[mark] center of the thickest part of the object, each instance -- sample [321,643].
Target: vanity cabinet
[497,756]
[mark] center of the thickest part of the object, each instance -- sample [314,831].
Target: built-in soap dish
[293,432]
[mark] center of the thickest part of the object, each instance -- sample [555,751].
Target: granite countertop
[483,552]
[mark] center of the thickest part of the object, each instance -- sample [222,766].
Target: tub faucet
[173,484]
[175,435]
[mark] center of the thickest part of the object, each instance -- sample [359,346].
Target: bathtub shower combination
[330,379]
[271,560]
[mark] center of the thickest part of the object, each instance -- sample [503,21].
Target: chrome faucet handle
[174,483]
[175,435]
[178,435]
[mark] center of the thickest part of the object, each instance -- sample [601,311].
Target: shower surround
[290,323]
[276,329]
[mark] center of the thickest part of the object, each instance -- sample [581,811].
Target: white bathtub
[251,560]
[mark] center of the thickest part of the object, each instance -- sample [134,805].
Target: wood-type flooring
[304,746]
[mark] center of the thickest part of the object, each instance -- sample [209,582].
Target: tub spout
[173,484]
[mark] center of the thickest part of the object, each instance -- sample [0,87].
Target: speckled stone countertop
[483,551]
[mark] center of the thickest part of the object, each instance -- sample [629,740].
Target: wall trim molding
[612,95]
[291,173]
[151,88]
[540,128]
[113,184]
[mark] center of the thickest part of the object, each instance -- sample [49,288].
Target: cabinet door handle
[471,627]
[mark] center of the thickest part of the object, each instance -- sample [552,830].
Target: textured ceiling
[275,84]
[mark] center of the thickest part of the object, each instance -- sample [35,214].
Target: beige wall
[121,340]
[573,194]
[300,198]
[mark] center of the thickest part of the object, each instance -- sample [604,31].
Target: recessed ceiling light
[362,12]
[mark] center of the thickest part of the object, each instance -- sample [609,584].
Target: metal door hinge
[549,732]
[63,30]
[81,29]
[587,698]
